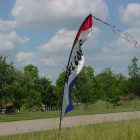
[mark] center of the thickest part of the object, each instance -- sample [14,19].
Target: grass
[97,108]
[123,130]
[28,116]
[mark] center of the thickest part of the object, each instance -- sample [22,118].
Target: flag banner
[75,63]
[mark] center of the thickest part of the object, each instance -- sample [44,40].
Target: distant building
[7,108]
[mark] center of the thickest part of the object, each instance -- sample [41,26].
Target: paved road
[8,128]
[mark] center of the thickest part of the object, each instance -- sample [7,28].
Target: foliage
[98,107]
[26,89]
[134,72]
[108,83]
[46,92]
[6,79]
[86,86]
[58,91]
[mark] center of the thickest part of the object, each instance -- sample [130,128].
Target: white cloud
[65,15]
[102,58]
[48,61]
[56,12]
[51,58]
[117,54]
[7,26]
[60,42]
[9,41]
[52,54]
[133,34]
[120,50]
[60,45]
[25,57]
[130,14]
[48,66]
[54,60]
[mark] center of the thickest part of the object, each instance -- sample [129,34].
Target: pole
[60,122]
[63,91]
[60,116]
[135,97]
[62,96]
[135,102]
[65,76]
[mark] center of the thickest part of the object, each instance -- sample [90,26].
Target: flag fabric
[75,63]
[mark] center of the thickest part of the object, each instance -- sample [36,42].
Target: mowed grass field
[97,108]
[123,130]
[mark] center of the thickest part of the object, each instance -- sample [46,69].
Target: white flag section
[75,63]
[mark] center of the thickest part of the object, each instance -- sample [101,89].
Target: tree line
[26,90]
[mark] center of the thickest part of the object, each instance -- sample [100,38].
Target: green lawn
[97,108]
[123,130]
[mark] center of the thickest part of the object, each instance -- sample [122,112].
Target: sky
[41,32]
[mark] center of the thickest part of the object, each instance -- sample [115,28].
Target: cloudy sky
[41,32]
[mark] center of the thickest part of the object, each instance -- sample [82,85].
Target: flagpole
[64,85]
[59,126]
[65,76]
[59,130]
[60,122]
[63,91]
[66,69]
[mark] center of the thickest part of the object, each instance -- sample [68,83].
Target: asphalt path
[16,127]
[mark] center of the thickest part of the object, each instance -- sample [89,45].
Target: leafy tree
[58,91]
[3,76]
[17,89]
[134,81]
[86,91]
[47,92]
[31,77]
[134,72]
[121,84]
[6,78]
[84,88]
[108,86]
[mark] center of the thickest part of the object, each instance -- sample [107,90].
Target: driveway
[16,127]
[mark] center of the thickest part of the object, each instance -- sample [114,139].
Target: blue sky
[42,33]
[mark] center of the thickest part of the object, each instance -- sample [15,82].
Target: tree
[18,90]
[6,78]
[32,93]
[24,88]
[108,87]
[47,92]
[59,87]
[3,76]
[121,84]
[134,72]
[85,83]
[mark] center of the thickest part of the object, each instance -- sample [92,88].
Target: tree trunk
[85,106]
[107,105]
[77,105]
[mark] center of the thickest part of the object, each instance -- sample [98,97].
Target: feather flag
[75,64]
